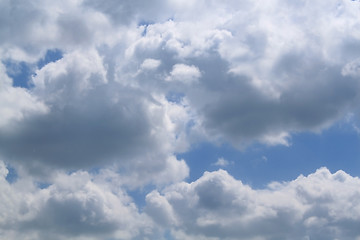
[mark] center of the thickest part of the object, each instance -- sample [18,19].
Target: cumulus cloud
[82,205]
[139,173]
[260,83]
[184,73]
[287,69]
[150,64]
[321,205]
[140,81]
[90,121]
[16,103]
[75,206]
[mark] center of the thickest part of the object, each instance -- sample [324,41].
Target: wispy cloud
[222,162]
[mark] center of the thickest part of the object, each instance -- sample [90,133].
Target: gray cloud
[316,97]
[93,122]
[104,122]
[126,12]
[272,78]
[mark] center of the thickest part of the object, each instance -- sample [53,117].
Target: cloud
[150,64]
[81,205]
[16,103]
[139,173]
[91,121]
[221,162]
[184,73]
[352,68]
[217,206]
[130,12]
[75,206]
[258,84]
[242,72]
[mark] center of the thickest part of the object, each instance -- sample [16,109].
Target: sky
[173,120]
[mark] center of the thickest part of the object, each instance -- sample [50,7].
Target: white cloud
[184,73]
[81,205]
[255,61]
[91,121]
[222,162]
[74,206]
[16,103]
[159,209]
[246,71]
[138,173]
[217,206]
[150,64]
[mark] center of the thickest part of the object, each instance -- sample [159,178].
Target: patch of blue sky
[145,24]
[12,175]
[167,235]
[337,148]
[138,195]
[52,55]
[175,97]
[21,72]
[43,185]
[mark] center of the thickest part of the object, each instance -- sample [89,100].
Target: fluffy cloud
[142,81]
[217,206]
[16,103]
[74,206]
[90,120]
[184,73]
[281,73]
[276,76]
[150,64]
[81,205]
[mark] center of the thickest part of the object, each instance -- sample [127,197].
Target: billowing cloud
[91,121]
[184,73]
[73,206]
[150,64]
[139,82]
[217,206]
[287,69]
[81,205]
[16,103]
[272,78]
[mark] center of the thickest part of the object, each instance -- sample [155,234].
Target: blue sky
[21,72]
[180,120]
[336,148]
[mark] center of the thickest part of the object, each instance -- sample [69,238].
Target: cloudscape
[175,120]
